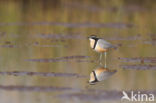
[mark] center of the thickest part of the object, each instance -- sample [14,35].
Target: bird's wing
[104,44]
[106,74]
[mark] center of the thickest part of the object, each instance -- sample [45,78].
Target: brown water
[45,54]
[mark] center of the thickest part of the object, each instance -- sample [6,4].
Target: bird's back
[104,44]
[106,74]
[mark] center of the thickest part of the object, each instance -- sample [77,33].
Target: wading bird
[100,45]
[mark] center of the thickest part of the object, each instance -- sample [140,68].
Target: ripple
[58,59]
[139,59]
[34,88]
[70,25]
[139,67]
[44,74]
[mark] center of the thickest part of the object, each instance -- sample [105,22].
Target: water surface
[45,54]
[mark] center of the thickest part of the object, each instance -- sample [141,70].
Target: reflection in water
[100,74]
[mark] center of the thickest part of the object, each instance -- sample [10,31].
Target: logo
[137,96]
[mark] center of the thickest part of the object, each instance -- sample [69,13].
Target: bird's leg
[100,58]
[105,60]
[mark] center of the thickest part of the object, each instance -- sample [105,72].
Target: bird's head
[92,37]
[93,78]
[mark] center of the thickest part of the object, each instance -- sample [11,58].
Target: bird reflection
[100,74]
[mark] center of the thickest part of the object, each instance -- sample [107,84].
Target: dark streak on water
[44,74]
[139,59]
[150,42]
[70,25]
[57,40]
[87,61]
[83,7]
[139,67]
[38,45]
[137,37]
[58,59]
[60,36]
[63,37]
[35,88]
[29,45]
[123,45]
[78,36]
[8,46]
[91,8]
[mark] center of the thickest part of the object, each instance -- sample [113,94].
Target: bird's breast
[92,44]
[100,49]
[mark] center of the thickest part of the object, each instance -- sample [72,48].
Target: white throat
[92,42]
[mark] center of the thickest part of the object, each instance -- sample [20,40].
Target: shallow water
[45,54]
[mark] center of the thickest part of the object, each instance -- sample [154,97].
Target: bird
[100,45]
[100,74]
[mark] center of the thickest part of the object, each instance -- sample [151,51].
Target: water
[45,54]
